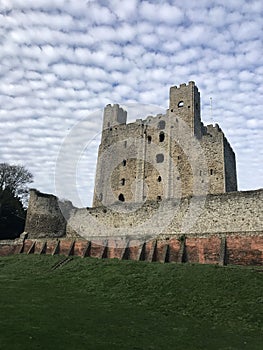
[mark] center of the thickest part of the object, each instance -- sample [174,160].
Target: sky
[62,61]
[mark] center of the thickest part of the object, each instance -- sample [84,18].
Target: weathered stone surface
[233,212]
[44,217]
[165,156]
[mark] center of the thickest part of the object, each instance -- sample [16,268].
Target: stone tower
[185,101]
[170,155]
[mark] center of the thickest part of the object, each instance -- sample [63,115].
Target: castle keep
[167,156]
[165,190]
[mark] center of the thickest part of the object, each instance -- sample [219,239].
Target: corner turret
[113,115]
[185,103]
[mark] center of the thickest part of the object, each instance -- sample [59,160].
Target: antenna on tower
[211,110]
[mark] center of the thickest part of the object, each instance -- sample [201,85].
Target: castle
[167,156]
[165,190]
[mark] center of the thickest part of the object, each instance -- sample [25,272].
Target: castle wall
[227,231]
[228,213]
[44,217]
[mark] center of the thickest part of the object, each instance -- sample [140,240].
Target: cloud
[123,11]
[163,12]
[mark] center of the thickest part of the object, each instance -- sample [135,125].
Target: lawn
[111,304]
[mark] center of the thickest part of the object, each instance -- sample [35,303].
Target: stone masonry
[166,156]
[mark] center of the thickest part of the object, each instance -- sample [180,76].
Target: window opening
[159,198]
[149,138]
[125,144]
[211,171]
[124,162]
[159,158]
[161,124]
[121,197]
[180,104]
[161,136]
[122,182]
[159,179]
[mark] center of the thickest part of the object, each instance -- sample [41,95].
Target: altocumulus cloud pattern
[62,60]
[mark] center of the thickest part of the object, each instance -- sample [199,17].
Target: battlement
[190,83]
[212,130]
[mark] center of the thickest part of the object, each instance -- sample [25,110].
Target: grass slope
[111,304]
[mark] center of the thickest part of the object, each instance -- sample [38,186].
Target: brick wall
[237,250]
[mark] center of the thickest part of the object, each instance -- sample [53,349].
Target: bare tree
[15,179]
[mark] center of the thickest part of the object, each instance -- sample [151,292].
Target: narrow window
[161,125]
[159,179]
[121,197]
[180,104]
[149,139]
[211,171]
[159,158]
[200,172]
[161,136]
[124,162]
[125,144]
[159,198]
[122,182]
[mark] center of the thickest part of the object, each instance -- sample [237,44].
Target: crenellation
[213,129]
